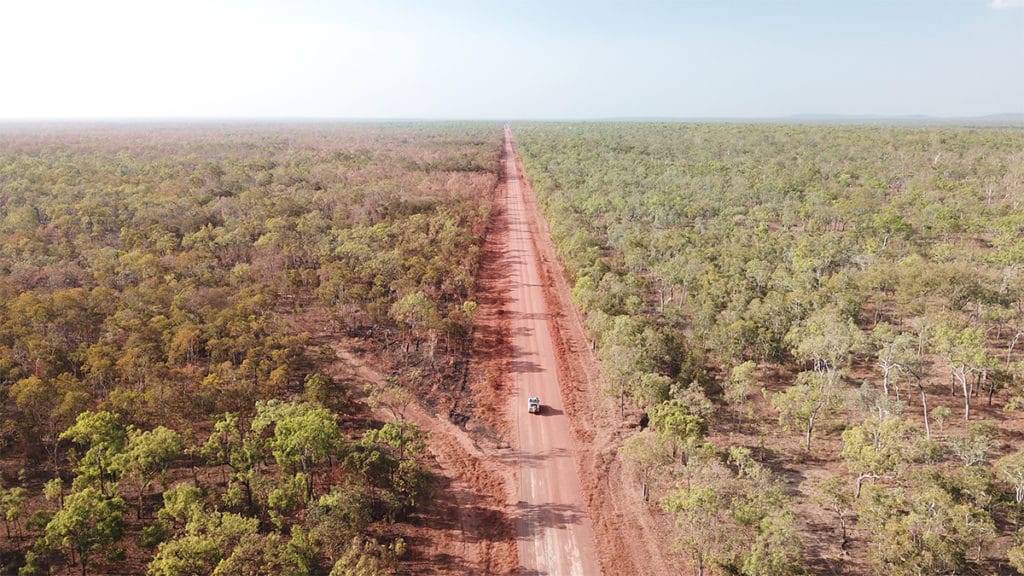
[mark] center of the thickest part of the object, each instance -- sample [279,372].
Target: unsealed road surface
[553,527]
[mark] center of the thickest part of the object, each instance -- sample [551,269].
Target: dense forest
[161,412]
[818,328]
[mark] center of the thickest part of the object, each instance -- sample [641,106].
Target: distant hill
[1008,119]
[1011,119]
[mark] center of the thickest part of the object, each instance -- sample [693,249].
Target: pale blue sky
[507,60]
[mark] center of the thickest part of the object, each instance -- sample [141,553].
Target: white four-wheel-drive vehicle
[533,405]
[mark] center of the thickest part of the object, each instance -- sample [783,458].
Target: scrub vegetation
[819,329]
[161,415]
[814,336]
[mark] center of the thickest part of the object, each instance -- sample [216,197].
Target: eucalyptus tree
[88,523]
[966,352]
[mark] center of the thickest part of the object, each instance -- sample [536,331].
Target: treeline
[854,290]
[149,278]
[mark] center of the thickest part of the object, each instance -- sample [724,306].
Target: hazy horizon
[461,60]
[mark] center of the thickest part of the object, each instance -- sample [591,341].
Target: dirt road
[552,522]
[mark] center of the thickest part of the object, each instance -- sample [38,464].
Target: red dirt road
[552,521]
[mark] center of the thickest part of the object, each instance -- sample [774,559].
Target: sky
[526,59]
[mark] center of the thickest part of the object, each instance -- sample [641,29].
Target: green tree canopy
[87,524]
